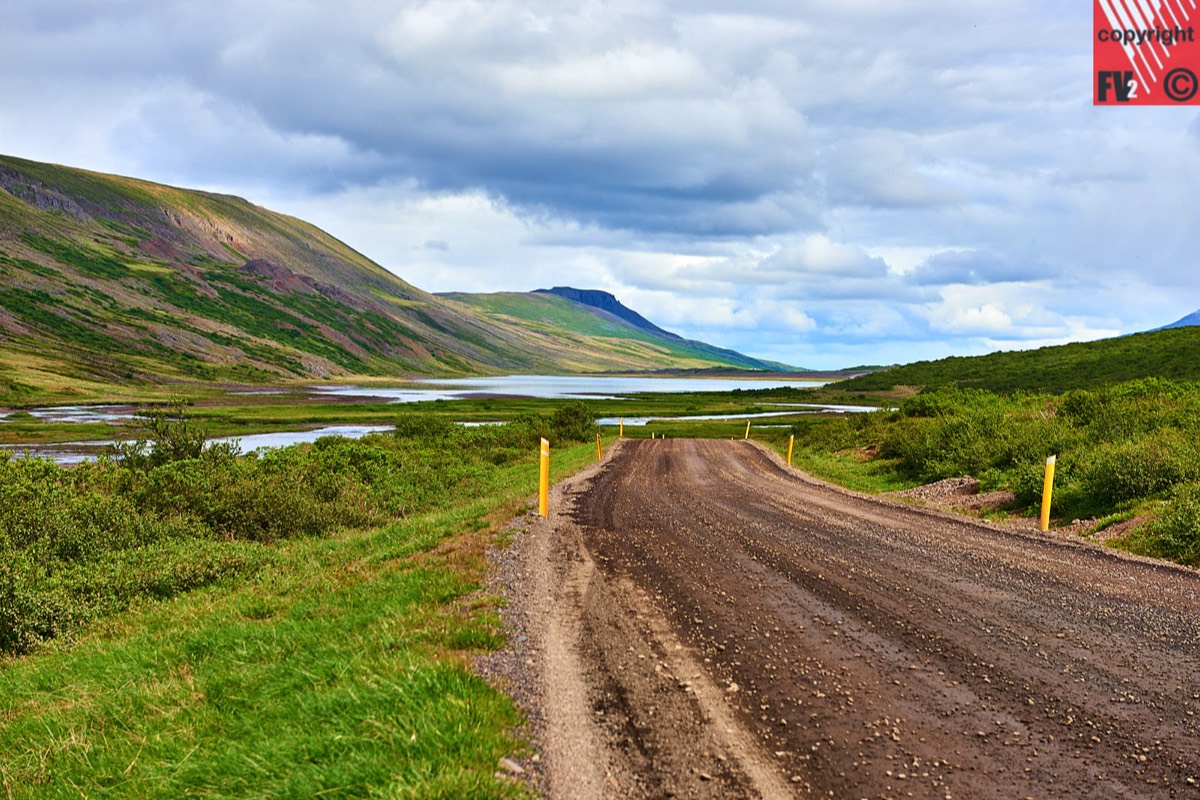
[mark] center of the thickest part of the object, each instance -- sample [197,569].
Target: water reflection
[266,441]
[557,387]
[70,453]
[81,414]
[564,387]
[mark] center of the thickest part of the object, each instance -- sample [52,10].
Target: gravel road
[702,621]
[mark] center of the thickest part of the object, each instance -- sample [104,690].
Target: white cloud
[629,72]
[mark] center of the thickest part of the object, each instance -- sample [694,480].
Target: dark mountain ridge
[605,301]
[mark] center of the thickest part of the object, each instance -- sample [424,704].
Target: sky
[825,183]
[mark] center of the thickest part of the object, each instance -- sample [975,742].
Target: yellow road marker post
[621,435]
[747,436]
[544,481]
[599,449]
[1047,490]
[791,441]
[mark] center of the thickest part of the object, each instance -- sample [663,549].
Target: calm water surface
[542,386]
[556,387]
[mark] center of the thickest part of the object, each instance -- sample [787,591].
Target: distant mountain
[108,280]
[607,324]
[610,304]
[1190,319]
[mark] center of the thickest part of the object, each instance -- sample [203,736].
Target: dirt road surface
[697,620]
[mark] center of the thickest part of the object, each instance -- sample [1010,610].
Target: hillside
[599,321]
[1169,353]
[105,279]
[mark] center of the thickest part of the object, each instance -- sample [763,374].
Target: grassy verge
[853,472]
[333,666]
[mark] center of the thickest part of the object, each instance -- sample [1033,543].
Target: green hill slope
[1170,353]
[105,280]
[602,331]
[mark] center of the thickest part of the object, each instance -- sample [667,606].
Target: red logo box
[1146,53]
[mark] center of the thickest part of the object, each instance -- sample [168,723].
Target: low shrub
[175,514]
[1175,534]
[167,435]
[1149,465]
[573,422]
[1117,446]
[424,426]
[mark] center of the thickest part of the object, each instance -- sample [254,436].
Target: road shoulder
[618,706]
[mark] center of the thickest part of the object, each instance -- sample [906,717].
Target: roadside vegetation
[1126,450]
[182,619]
[198,622]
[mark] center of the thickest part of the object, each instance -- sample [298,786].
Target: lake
[557,387]
[563,387]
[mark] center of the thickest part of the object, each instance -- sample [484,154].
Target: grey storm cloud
[975,268]
[614,122]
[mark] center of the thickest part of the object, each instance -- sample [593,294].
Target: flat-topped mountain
[609,323]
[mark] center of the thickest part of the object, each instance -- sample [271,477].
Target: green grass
[845,469]
[337,667]
[335,673]
[87,260]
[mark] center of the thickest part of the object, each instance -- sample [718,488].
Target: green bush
[77,543]
[948,401]
[1080,406]
[41,601]
[948,446]
[1143,467]
[53,515]
[242,500]
[1174,535]
[1117,446]
[168,435]
[573,422]
[425,426]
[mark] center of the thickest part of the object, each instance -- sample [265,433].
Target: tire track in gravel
[875,649]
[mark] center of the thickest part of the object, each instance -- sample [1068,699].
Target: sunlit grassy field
[221,655]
